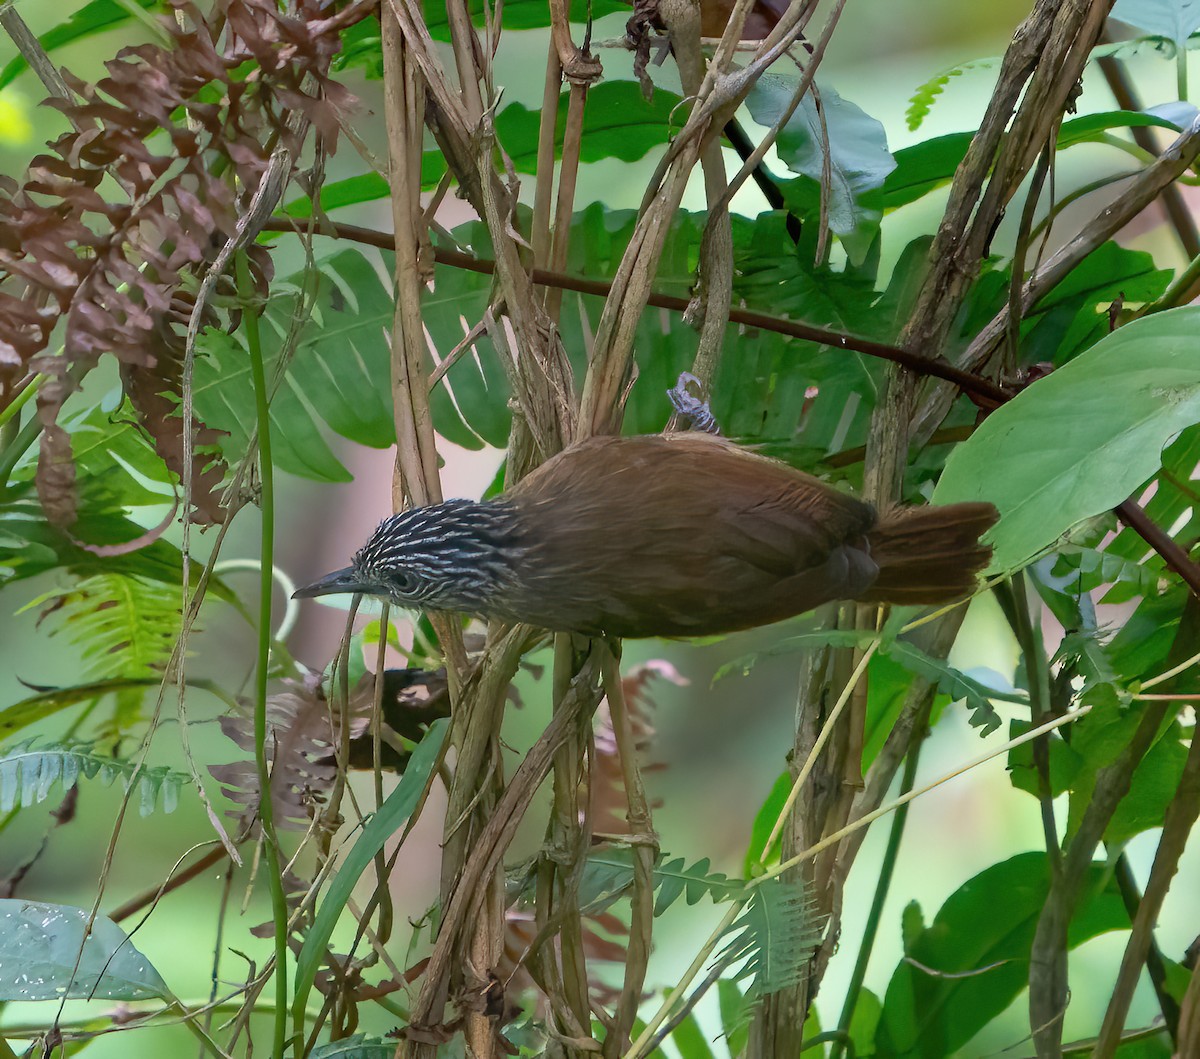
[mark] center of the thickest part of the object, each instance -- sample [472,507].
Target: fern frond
[28,774]
[124,626]
[774,937]
[674,878]
[608,876]
[923,99]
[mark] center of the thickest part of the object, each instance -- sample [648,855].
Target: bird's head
[452,556]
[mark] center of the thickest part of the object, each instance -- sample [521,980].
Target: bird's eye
[403,580]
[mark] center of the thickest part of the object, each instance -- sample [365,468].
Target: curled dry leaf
[303,733]
[115,270]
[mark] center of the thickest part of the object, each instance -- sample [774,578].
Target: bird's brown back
[681,535]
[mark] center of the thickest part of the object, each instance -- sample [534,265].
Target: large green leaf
[812,398]
[856,145]
[1175,19]
[1079,441]
[359,1046]
[519,14]
[1154,783]
[974,957]
[1173,502]
[618,122]
[29,545]
[931,164]
[57,952]
[116,471]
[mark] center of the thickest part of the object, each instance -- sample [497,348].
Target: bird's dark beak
[331,584]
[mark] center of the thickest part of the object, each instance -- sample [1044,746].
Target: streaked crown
[459,555]
[450,556]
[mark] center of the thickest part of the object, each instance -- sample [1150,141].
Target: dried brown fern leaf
[110,232]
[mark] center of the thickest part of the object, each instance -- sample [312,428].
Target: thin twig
[933,366]
[32,51]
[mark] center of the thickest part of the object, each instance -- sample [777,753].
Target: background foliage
[186,307]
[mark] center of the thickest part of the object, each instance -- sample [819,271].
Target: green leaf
[800,642]
[28,775]
[1173,499]
[956,684]
[1074,314]
[29,545]
[689,1038]
[951,681]
[1174,19]
[1154,786]
[608,875]
[773,938]
[1065,763]
[123,626]
[735,1015]
[519,14]
[337,375]
[888,684]
[981,936]
[390,818]
[764,823]
[931,164]
[923,99]
[49,702]
[923,167]
[1079,441]
[336,194]
[618,122]
[672,878]
[40,945]
[1091,128]
[359,1046]
[858,156]
[864,1023]
[92,18]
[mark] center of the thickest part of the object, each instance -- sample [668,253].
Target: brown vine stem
[984,389]
[1131,513]
[489,847]
[1173,203]
[714,288]
[645,854]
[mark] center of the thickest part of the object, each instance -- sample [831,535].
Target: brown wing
[683,534]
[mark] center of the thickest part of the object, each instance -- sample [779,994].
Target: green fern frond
[923,99]
[29,774]
[124,626]
[674,878]
[773,938]
[609,875]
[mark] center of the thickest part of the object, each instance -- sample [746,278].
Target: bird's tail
[929,555]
